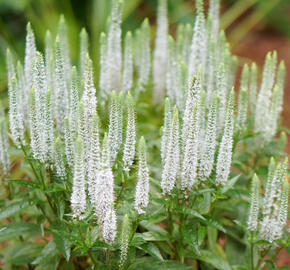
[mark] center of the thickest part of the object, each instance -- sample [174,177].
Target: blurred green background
[239,17]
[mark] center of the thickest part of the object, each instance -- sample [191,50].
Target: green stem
[39,178]
[170,228]
[263,254]
[95,263]
[252,252]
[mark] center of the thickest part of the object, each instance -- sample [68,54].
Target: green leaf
[13,230]
[25,183]
[201,234]
[152,250]
[24,253]
[137,240]
[149,263]
[155,236]
[15,207]
[51,264]
[215,260]
[204,207]
[229,184]
[67,266]
[212,237]
[180,251]
[213,223]
[47,253]
[190,236]
[62,244]
[270,264]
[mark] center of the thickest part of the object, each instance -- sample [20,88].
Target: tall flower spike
[115,125]
[104,193]
[4,144]
[214,10]
[221,85]
[74,101]
[207,157]
[171,71]
[95,157]
[64,47]
[82,127]
[124,245]
[189,164]
[68,143]
[48,128]
[263,101]
[109,229]
[114,52]
[280,85]
[242,108]
[84,50]
[201,123]
[274,114]
[283,211]
[172,160]
[271,172]
[10,67]
[193,94]
[59,158]
[271,227]
[78,196]
[145,60]
[184,37]
[166,129]
[225,151]
[105,157]
[254,207]
[15,116]
[89,95]
[35,137]
[130,141]
[253,88]
[160,51]
[49,54]
[40,88]
[244,83]
[61,91]
[142,187]
[30,52]
[103,81]
[198,45]
[127,80]
[23,97]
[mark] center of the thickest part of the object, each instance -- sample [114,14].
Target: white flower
[171,165]
[109,229]
[127,80]
[225,151]
[130,141]
[142,187]
[78,196]
[254,208]
[160,51]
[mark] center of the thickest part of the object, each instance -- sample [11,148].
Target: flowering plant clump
[158,166]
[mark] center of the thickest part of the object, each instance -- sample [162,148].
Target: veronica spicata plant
[155,166]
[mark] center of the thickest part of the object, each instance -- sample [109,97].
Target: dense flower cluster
[56,104]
